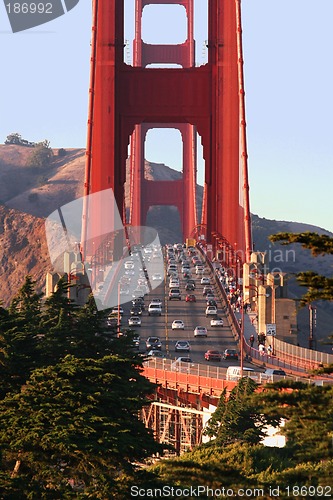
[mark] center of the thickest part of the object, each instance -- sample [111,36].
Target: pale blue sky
[289,102]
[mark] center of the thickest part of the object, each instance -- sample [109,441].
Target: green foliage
[308,414]
[16,138]
[319,244]
[13,138]
[319,287]
[237,419]
[69,401]
[41,155]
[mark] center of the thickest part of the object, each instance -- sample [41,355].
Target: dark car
[136,311]
[189,287]
[211,302]
[153,343]
[211,355]
[139,302]
[230,354]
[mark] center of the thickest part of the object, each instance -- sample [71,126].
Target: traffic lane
[193,314]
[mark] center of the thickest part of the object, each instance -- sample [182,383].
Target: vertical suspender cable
[89,129]
[247,214]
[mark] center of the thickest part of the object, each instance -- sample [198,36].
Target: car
[183,359]
[114,310]
[216,322]
[273,371]
[155,353]
[129,264]
[154,310]
[189,287]
[174,283]
[175,294]
[187,274]
[178,324]
[172,269]
[136,340]
[156,301]
[211,311]
[136,311]
[130,272]
[205,281]
[190,298]
[200,331]
[207,289]
[134,321]
[153,343]
[211,302]
[191,281]
[137,293]
[211,355]
[112,322]
[182,345]
[124,290]
[230,354]
[156,277]
[139,302]
[210,296]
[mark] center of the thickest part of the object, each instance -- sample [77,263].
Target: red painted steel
[143,193]
[194,384]
[208,97]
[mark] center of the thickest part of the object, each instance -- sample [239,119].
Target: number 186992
[29,8]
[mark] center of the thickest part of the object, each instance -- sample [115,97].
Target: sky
[288,74]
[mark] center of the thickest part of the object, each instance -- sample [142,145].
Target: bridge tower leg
[210,98]
[145,193]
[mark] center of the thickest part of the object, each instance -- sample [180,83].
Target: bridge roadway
[192,314]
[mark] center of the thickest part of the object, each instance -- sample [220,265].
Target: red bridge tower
[126,101]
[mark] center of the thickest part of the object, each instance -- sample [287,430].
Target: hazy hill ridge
[28,195]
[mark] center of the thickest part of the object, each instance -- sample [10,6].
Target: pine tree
[319,287]
[77,420]
[308,414]
[20,333]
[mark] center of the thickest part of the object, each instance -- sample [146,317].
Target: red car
[190,298]
[213,355]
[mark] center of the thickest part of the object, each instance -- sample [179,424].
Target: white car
[134,321]
[129,265]
[205,281]
[211,311]
[156,301]
[178,324]
[216,322]
[115,310]
[174,283]
[182,345]
[200,331]
[156,277]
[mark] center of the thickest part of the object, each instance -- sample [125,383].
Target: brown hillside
[28,195]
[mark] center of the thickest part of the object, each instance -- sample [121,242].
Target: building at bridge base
[125,100]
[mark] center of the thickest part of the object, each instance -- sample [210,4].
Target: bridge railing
[197,377]
[286,355]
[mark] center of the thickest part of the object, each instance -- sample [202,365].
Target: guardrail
[286,355]
[196,377]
